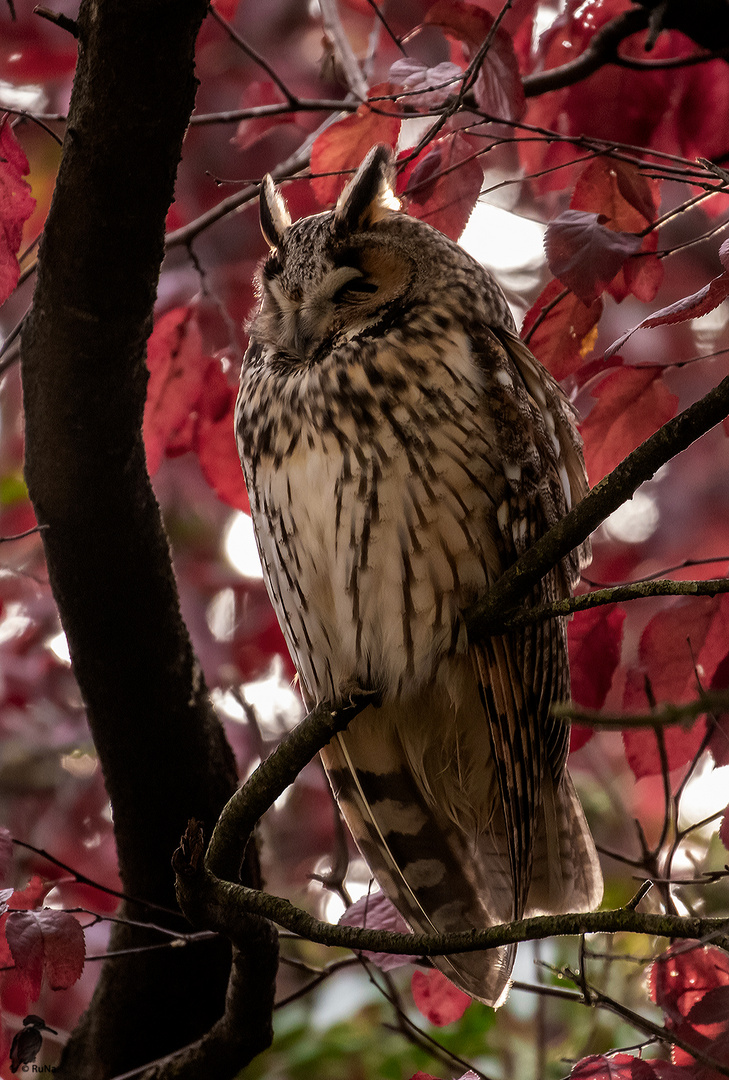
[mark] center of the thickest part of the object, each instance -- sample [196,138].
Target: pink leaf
[176,372]
[614,1067]
[49,943]
[437,998]
[584,254]
[433,85]
[498,87]
[16,206]
[689,307]
[375,912]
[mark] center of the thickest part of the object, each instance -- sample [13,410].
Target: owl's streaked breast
[374,503]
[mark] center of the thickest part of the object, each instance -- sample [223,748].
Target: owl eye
[354,292]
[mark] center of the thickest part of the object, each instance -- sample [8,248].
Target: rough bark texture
[163,752]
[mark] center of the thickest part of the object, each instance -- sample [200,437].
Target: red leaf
[376,912]
[666,1070]
[693,631]
[584,254]
[712,1008]
[441,185]
[719,740]
[49,943]
[437,998]
[6,852]
[689,307]
[629,201]
[226,8]
[339,150]
[632,403]
[595,638]
[498,87]
[615,1067]
[567,332]
[680,978]
[176,372]
[250,131]
[214,439]
[32,896]
[16,206]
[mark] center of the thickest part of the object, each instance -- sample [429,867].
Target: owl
[402,447]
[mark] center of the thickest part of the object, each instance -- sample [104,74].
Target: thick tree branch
[162,749]
[227,901]
[271,778]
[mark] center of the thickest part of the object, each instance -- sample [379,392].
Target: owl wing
[484,826]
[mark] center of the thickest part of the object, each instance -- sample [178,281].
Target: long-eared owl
[401,448]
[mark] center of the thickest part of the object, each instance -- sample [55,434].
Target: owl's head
[335,275]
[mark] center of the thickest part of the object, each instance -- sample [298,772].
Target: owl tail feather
[440,878]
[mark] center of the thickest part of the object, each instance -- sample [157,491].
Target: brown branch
[228,900]
[711,701]
[616,594]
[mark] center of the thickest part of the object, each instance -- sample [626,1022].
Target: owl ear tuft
[274,213]
[369,195]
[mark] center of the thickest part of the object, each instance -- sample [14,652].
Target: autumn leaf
[632,403]
[45,943]
[595,639]
[376,912]
[16,206]
[213,438]
[442,184]
[6,852]
[498,88]
[176,372]
[584,254]
[690,981]
[339,150]
[689,307]
[612,1067]
[691,633]
[250,131]
[629,201]
[561,330]
[437,998]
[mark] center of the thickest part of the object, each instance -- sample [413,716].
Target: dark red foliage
[438,999]
[16,206]
[690,982]
[631,404]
